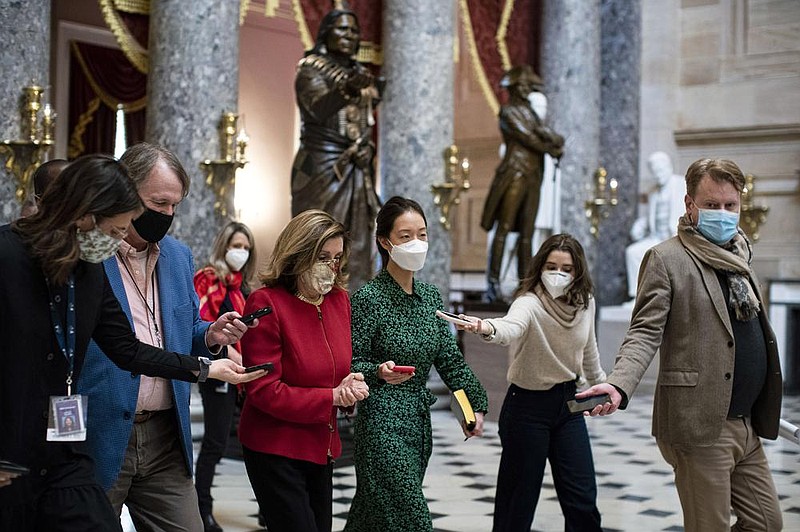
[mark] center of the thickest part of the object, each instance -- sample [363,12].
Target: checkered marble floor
[636,491]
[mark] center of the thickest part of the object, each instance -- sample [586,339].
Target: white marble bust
[664,206]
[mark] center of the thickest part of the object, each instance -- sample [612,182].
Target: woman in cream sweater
[550,327]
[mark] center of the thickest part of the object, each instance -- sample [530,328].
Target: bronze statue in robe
[334,167]
[513,200]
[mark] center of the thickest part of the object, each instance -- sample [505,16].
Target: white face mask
[237,258]
[410,255]
[319,278]
[556,282]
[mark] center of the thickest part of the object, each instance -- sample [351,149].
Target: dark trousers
[536,426]
[71,501]
[295,495]
[218,409]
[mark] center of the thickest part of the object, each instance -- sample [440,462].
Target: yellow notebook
[459,404]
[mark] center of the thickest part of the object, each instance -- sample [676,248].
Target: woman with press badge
[54,298]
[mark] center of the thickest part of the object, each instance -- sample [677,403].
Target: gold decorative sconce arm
[752,216]
[28,152]
[456,181]
[221,173]
[605,196]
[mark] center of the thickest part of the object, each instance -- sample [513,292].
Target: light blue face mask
[717,225]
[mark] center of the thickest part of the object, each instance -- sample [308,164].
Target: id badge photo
[67,419]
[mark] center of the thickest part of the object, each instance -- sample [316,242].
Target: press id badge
[67,419]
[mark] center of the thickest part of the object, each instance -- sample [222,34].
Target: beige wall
[722,78]
[269,49]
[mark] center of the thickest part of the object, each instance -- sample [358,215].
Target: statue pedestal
[612,325]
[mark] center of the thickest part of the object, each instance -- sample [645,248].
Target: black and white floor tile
[636,491]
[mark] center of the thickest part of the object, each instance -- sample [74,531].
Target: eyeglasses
[331,262]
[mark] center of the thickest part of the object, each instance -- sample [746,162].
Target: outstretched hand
[227,370]
[605,409]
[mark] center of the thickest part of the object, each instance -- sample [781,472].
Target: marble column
[193,79]
[25,27]
[416,124]
[416,115]
[571,73]
[620,29]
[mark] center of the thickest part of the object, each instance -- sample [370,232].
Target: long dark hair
[92,184]
[384,222]
[578,292]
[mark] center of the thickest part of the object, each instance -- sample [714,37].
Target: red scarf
[212,294]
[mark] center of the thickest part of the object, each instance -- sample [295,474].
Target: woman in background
[395,323]
[222,286]
[288,425]
[550,327]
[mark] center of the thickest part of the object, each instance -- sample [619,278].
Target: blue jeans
[536,426]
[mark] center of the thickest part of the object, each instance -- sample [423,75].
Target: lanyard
[66,338]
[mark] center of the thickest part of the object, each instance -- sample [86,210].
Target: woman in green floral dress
[394,323]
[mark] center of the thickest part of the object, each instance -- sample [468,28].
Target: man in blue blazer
[139,428]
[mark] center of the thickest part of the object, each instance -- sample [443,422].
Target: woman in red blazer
[288,424]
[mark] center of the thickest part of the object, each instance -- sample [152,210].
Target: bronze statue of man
[333,169]
[513,199]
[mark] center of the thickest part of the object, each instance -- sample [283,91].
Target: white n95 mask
[556,282]
[237,258]
[410,255]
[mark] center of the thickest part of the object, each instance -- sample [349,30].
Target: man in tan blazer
[719,382]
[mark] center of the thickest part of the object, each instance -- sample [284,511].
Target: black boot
[210,524]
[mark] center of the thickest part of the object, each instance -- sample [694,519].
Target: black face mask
[152,225]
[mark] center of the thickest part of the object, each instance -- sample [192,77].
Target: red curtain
[101,79]
[369,13]
[520,20]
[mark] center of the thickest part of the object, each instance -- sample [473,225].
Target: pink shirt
[137,269]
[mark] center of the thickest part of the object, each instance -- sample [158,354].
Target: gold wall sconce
[752,216]
[605,196]
[221,172]
[456,181]
[37,125]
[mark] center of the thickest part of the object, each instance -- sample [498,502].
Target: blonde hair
[298,247]
[720,170]
[220,248]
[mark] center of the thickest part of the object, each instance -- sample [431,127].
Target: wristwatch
[205,365]
[489,337]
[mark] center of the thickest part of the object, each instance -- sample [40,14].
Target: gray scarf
[732,259]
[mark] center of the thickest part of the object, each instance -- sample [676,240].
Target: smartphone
[449,316]
[266,365]
[404,369]
[587,403]
[248,319]
[11,467]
